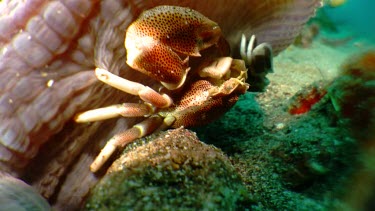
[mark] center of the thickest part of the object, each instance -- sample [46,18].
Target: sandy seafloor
[297,162]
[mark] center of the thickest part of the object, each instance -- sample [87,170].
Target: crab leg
[125,110]
[120,140]
[144,92]
[217,69]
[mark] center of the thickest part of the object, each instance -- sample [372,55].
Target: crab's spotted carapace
[160,38]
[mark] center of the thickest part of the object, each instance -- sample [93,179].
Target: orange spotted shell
[156,41]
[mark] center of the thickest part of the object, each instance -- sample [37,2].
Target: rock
[169,170]
[17,195]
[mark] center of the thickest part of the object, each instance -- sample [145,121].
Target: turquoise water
[356,16]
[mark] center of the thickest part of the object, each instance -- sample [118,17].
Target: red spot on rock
[303,101]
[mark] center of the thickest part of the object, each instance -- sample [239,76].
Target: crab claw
[160,41]
[207,99]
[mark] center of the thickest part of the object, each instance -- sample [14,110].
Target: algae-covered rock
[353,95]
[170,170]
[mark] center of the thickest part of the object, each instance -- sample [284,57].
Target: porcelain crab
[199,81]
